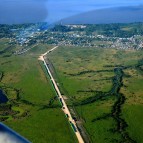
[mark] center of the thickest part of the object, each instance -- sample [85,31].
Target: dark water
[22,11]
[3,98]
[9,136]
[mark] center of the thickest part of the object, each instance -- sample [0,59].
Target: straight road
[61,99]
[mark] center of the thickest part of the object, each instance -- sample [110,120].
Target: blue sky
[22,11]
[58,9]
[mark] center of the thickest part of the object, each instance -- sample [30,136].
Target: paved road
[61,99]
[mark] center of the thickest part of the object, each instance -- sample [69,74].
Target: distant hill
[110,15]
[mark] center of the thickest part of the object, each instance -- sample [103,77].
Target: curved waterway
[3,98]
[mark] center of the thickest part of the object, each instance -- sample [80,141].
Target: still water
[3,98]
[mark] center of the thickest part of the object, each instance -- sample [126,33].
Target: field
[104,86]
[32,109]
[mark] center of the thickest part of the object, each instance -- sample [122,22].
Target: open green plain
[105,88]
[33,109]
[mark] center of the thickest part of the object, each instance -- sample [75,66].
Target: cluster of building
[75,37]
[78,38]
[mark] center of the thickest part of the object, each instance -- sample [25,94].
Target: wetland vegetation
[32,109]
[98,84]
[102,86]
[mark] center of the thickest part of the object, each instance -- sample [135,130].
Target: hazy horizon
[69,8]
[27,11]
[129,14]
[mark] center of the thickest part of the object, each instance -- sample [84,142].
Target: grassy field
[32,110]
[105,88]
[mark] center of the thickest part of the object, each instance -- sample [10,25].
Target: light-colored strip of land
[64,105]
[26,50]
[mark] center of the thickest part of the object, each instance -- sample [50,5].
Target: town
[76,35]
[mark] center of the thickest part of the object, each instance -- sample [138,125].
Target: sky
[23,11]
[59,9]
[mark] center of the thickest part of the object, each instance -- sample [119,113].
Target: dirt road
[61,99]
